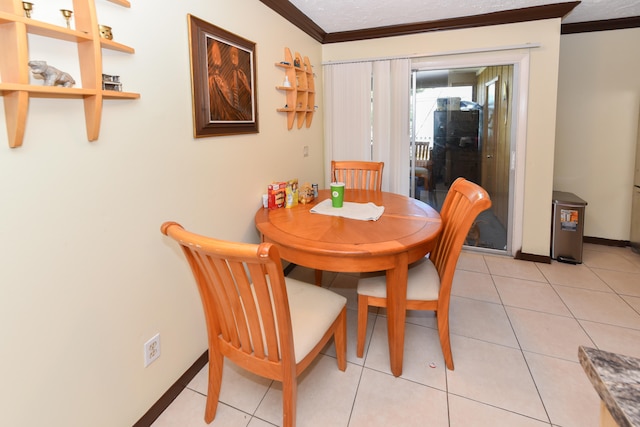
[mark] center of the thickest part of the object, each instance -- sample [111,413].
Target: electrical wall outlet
[151,350]
[305,151]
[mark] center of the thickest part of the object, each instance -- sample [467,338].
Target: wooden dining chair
[430,278]
[271,326]
[424,170]
[357,174]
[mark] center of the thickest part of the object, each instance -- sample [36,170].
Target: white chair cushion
[423,283]
[313,309]
[421,171]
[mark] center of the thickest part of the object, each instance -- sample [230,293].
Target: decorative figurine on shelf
[105,32]
[67,16]
[28,7]
[110,82]
[51,75]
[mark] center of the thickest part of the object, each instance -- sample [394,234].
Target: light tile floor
[515,331]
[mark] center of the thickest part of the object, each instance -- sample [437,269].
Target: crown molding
[605,25]
[292,14]
[512,16]
[559,10]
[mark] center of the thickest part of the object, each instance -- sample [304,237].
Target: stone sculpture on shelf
[51,75]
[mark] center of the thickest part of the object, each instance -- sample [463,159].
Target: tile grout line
[524,358]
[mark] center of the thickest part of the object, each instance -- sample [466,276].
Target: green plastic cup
[337,194]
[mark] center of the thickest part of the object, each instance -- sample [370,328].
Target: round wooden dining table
[406,231]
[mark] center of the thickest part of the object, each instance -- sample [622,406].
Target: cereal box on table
[276,193]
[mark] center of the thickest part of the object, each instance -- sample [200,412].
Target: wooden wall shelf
[301,95]
[15,73]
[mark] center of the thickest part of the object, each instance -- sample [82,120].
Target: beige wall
[598,110]
[86,275]
[540,130]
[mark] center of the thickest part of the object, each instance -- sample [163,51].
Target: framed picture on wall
[223,81]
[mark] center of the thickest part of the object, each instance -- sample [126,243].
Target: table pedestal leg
[396,311]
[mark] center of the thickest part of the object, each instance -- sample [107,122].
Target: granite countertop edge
[616,379]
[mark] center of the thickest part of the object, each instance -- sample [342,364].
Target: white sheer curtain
[367,117]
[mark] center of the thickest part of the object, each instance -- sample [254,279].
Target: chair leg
[340,340]
[289,397]
[318,277]
[216,363]
[445,340]
[363,312]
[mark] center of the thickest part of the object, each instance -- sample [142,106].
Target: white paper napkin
[362,211]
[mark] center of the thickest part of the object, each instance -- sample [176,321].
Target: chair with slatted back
[358,174]
[355,174]
[422,157]
[424,170]
[430,278]
[265,323]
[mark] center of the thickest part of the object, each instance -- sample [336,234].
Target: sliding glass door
[461,126]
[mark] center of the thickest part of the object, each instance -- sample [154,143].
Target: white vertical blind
[360,113]
[347,95]
[391,122]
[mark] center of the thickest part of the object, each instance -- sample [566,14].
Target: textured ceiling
[346,15]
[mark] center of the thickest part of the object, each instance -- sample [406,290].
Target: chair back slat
[422,155]
[243,293]
[216,300]
[267,319]
[464,201]
[247,313]
[358,175]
